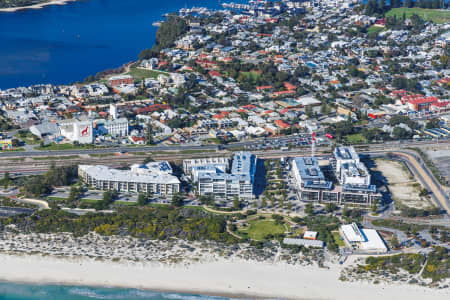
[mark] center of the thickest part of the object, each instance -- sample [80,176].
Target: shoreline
[36,6]
[233,278]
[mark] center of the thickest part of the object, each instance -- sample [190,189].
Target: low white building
[365,240]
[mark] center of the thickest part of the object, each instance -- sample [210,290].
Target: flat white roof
[373,241]
[352,233]
[303,242]
[151,173]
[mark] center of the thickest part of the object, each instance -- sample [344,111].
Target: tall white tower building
[113,111]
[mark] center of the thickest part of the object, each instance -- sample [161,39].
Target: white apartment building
[116,127]
[152,178]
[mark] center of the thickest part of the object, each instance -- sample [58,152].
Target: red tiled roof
[441,104]
[443,80]
[265,87]
[249,106]
[152,108]
[205,62]
[214,73]
[289,86]
[281,124]
[283,93]
[423,100]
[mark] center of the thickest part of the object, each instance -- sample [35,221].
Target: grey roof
[47,128]
[311,174]
[242,169]
[345,152]
[303,242]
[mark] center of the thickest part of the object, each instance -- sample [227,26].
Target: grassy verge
[56,157]
[13,150]
[102,155]
[54,146]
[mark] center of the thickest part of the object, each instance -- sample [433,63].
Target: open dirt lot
[403,186]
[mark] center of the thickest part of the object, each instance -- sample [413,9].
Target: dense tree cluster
[375,7]
[166,35]
[399,119]
[5,125]
[43,184]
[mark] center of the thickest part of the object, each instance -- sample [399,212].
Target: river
[64,44]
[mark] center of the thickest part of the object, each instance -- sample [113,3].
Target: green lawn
[251,76]
[435,15]
[260,229]
[57,198]
[125,203]
[337,239]
[140,74]
[89,200]
[356,138]
[373,29]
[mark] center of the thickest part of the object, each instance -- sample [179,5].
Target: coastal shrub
[144,222]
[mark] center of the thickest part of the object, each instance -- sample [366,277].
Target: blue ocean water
[13,291]
[64,44]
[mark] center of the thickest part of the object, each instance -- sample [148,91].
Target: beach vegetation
[411,262]
[149,222]
[438,265]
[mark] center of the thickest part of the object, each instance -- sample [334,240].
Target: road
[244,144]
[411,158]
[421,172]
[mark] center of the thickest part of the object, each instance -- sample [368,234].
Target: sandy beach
[36,6]
[223,277]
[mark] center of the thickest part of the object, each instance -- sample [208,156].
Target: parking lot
[292,141]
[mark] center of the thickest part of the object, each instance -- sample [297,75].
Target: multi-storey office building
[354,186]
[152,178]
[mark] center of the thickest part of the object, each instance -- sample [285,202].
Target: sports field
[435,15]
